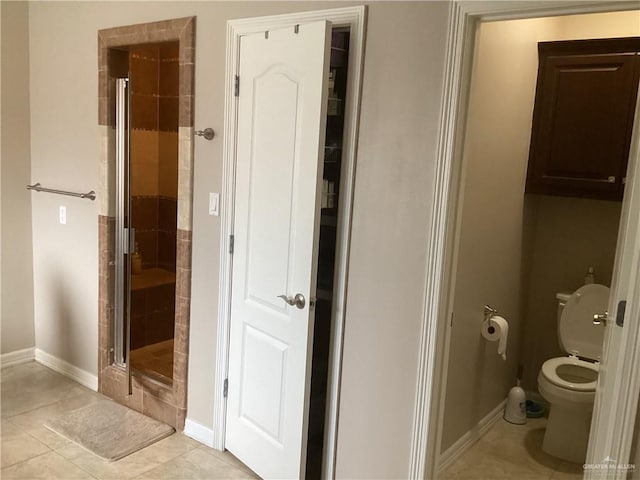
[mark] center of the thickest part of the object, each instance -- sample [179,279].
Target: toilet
[569,383]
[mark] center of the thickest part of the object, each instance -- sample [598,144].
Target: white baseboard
[18,356]
[65,368]
[464,443]
[198,432]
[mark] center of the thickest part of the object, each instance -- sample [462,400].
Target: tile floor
[32,393]
[510,451]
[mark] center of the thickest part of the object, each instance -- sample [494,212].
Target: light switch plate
[63,215]
[214,203]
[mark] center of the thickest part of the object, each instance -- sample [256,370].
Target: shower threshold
[154,361]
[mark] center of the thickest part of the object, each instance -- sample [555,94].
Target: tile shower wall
[154,152]
[154,218]
[154,86]
[152,314]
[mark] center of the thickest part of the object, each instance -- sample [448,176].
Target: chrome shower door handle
[298,300]
[600,318]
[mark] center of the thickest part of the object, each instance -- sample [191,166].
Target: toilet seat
[550,372]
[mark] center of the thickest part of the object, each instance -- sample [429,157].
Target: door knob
[600,318]
[298,300]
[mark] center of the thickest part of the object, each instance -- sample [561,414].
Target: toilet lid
[578,334]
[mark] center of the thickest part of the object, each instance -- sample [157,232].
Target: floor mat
[109,429]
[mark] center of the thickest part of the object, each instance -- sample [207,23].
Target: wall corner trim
[198,432]
[63,367]
[17,356]
[466,441]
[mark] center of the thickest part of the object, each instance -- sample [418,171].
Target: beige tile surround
[164,402]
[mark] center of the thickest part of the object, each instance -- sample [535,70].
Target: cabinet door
[582,123]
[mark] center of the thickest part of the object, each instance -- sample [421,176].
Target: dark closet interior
[327,249]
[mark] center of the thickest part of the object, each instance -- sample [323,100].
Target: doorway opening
[146,121]
[322,209]
[524,251]
[290,127]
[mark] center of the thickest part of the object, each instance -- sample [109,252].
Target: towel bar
[38,188]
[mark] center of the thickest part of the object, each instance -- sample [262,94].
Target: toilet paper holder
[489,312]
[494,327]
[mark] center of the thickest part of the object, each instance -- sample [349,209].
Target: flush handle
[600,319]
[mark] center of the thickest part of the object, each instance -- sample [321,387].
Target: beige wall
[515,254]
[393,191]
[17,330]
[400,110]
[489,269]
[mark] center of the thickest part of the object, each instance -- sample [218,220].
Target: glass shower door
[153,186]
[146,121]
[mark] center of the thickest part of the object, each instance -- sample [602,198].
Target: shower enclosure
[146,222]
[146,121]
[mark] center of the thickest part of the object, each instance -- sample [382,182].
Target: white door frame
[464,17]
[355,19]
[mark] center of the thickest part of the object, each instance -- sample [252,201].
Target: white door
[280,146]
[618,379]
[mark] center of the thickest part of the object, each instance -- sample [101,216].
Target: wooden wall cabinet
[583,117]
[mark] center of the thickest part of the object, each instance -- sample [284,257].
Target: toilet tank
[562,298]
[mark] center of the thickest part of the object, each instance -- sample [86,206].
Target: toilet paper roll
[497,328]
